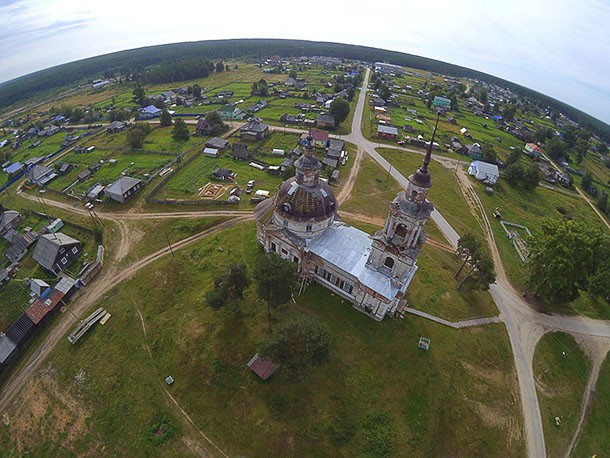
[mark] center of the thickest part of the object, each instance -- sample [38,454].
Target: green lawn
[378,396]
[594,437]
[561,370]
[373,191]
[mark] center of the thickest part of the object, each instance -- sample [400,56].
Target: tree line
[136,60]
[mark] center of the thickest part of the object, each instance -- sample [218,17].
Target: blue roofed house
[150,112]
[14,168]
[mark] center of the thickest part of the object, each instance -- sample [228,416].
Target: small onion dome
[421,178]
[305,203]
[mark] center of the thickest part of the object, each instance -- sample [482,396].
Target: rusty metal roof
[305,203]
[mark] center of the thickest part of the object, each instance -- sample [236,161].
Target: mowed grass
[561,370]
[149,236]
[378,396]
[594,437]
[373,191]
[186,184]
[529,208]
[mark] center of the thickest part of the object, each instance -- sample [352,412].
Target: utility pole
[387,180]
[169,244]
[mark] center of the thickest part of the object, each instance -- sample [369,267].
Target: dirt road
[107,279]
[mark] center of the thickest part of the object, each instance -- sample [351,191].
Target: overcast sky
[560,47]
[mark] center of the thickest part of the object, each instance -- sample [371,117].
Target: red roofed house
[319,135]
[262,367]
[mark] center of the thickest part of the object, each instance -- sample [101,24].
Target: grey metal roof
[6,347]
[122,185]
[65,285]
[348,249]
[387,130]
[47,247]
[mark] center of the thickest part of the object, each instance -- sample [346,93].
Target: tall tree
[139,94]
[275,279]
[220,67]
[340,109]
[196,91]
[467,249]
[531,176]
[563,255]
[165,118]
[298,344]
[556,148]
[181,131]
[229,286]
[587,180]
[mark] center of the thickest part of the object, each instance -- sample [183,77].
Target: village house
[230,111]
[326,121]
[56,251]
[387,132]
[240,151]
[217,143]
[19,244]
[40,175]
[532,150]
[254,130]
[9,219]
[150,112]
[116,126]
[123,188]
[474,151]
[205,127]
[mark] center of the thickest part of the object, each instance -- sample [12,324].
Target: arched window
[401,231]
[389,262]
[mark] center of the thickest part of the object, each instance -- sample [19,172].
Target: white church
[300,223]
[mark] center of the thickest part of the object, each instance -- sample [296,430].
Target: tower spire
[424,167]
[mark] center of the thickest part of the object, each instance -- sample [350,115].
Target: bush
[161,431]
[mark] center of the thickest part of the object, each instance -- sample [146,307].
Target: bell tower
[396,247]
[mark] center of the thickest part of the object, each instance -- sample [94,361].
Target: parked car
[249,186]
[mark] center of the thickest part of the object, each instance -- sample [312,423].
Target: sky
[560,48]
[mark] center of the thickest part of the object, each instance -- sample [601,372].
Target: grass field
[360,404]
[561,370]
[594,437]
[371,196]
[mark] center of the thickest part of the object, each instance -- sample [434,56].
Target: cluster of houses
[54,251]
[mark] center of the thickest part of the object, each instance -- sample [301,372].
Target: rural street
[524,325]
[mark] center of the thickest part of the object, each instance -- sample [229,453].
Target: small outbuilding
[484,171]
[262,366]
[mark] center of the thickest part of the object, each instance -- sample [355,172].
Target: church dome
[301,203]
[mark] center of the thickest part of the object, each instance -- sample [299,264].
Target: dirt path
[596,350]
[172,398]
[95,291]
[346,191]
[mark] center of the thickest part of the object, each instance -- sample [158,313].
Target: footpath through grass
[561,370]
[378,396]
[595,438]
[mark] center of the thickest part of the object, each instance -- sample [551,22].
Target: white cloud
[555,46]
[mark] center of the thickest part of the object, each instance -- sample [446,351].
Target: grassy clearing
[529,208]
[594,436]
[149,236]
[360,404]
[373,191]
[561,370]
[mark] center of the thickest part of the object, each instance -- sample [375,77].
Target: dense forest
[137,61]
